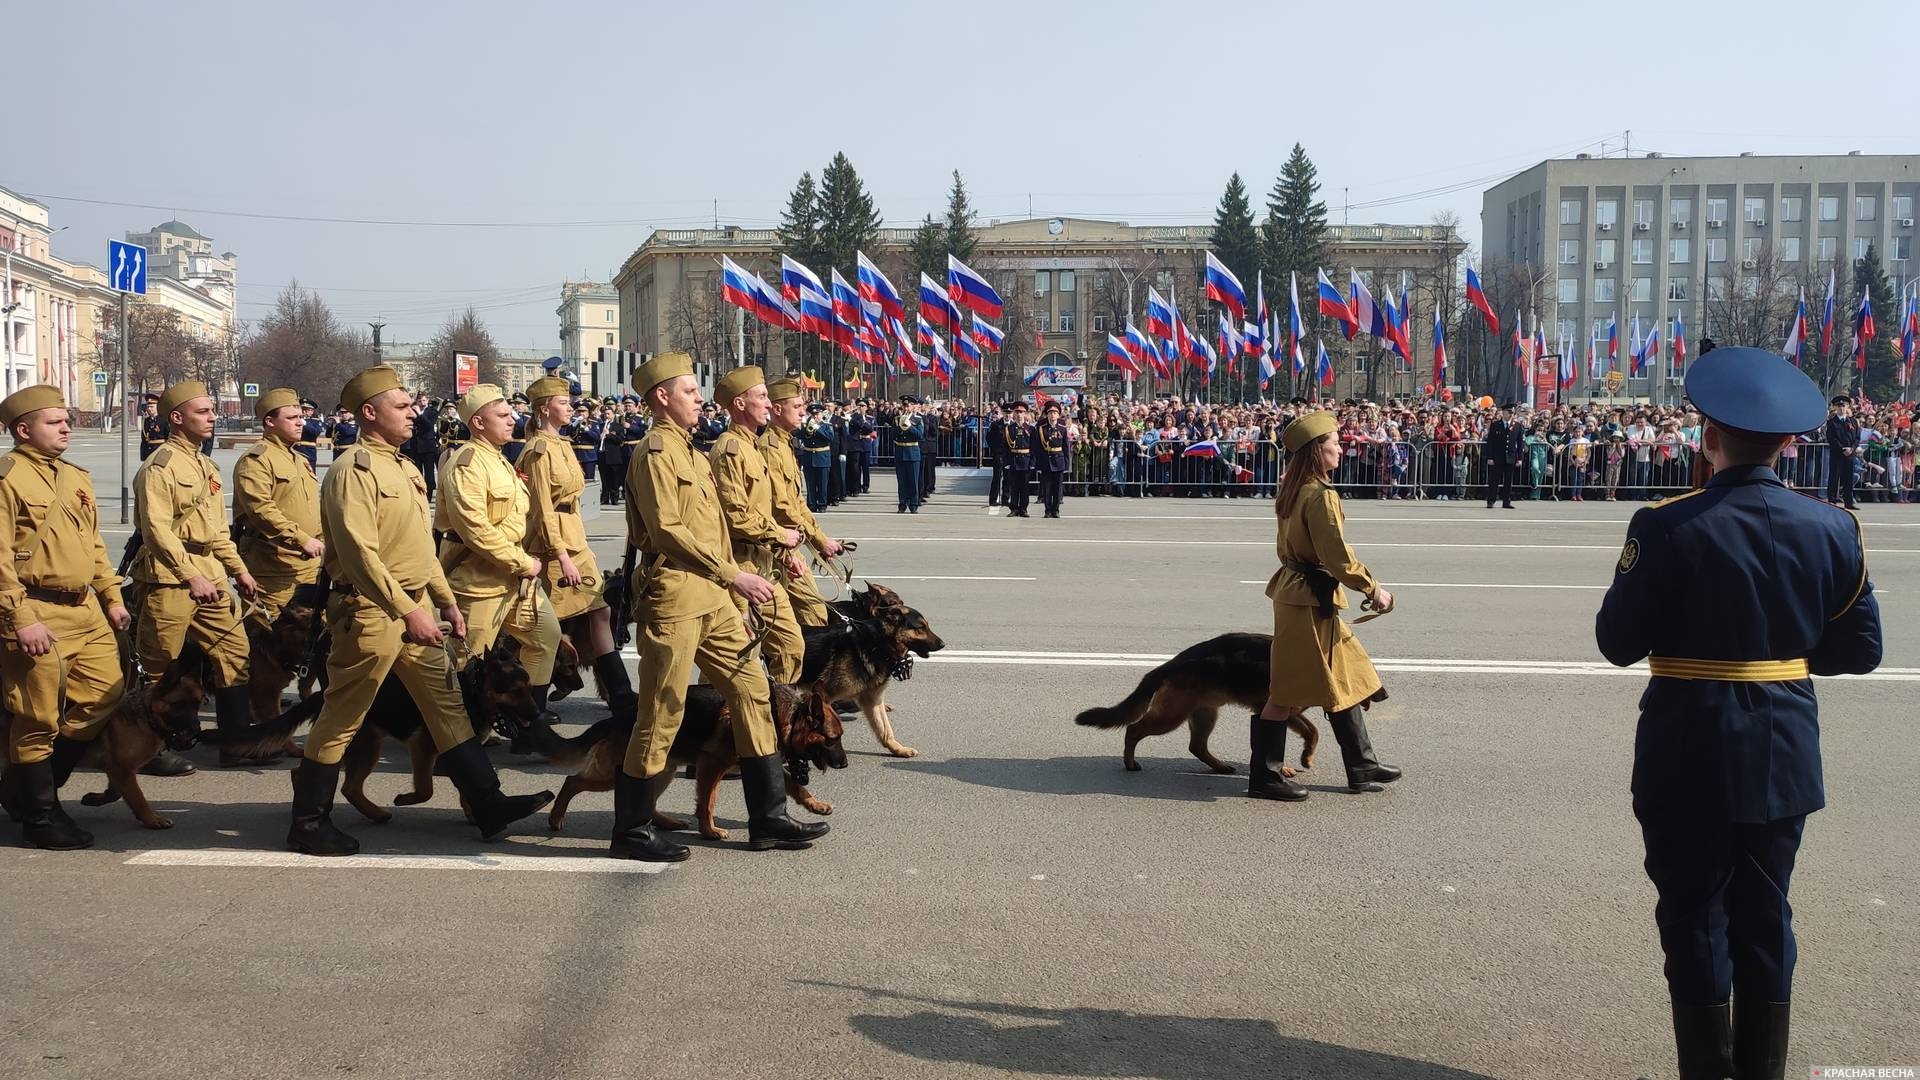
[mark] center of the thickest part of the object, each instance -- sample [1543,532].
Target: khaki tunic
[72,690]
[177,503]
[555,484]
[276,503]
[1316,660]
[481,512]
[790,511]
[745,484]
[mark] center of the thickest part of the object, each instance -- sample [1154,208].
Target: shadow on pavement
[1021,1039]
[1160,778]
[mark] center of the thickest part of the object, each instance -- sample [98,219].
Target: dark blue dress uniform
[345,433]
[585,437]
[1734,594]
[311,430]
[907,433]
[860,440]
[1017,438]
[153,435]
[517,441]
[1501,452]
[816,459]
[1050,460]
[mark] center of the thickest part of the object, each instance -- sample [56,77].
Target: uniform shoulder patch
[363,459]
[464,457]
[656,443]
[1684,495]
[161,457]
[1630,555]
[731,444]
[6,465]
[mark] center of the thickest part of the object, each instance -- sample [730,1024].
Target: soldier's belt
[57,596]
[1670,667]
[563,508]
[1021,451]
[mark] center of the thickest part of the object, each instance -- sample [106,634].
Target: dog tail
[1132,707]
[572,753]
[258,739]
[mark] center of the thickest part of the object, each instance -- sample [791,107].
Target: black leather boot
[633,835]
[37,800]
[233,713]
[611,672]
[313,831]
[768,825]
[1267,742]
[1760,1039]
[1364,771]
[167,763]
[1703,1035]
[66,756]
[467,766]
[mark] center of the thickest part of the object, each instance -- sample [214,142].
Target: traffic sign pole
[126,418]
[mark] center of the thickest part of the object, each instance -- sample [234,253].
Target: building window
[1716,211]
[1677,289]
[1569,251]
[1829,208]
[1864,207]
[1750,249]
[1716,249]
[1569,211]
[1829,248]
[1860,245]
[609,340]
[1755,211]
[1066,281]
[1603,290]
[1682,210]
[1099,281]
[1642,290]
[1792,208]
[1643,249]
[1164,279]
[1605,251]
[1900,248]
[1789,249]
[609,314]
[1569,290]
[1066,322]
[1568,329]
[1902,207]
[1679,250]
[1042,282]
[1099,324]
[1606,213]
[1716,288]
[1643,212]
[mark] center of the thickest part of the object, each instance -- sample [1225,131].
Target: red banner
[1546,381]
[466,372]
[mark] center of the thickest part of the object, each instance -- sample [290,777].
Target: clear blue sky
[644,114]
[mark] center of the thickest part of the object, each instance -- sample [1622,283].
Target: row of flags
[1864,330]
[867,319]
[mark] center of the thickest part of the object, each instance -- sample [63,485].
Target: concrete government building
[1663,237]
[1069,279]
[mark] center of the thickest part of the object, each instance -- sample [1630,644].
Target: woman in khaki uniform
[1316,660]
[556,533]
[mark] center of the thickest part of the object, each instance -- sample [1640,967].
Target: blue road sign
[99,378]
[127,267]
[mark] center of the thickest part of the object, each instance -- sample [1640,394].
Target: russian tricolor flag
[1649,350]
[1266,371]
[847,317]
[744,290]
[1477,296]
[934,302]
[1203,354]
[1256,331]
[1826,319]
[1439,350]
[1224,288]
[968,349]
[1118,356]
[1679,341]
[1796,347]
[1862,330]
[1322,363]
[987,335]
[971,291]
[1207,448]
[1613,343]
[1366,315]
[801,288]
[1159,315]
[1334,306]
[1231,343]
[1294,329]
[875,287]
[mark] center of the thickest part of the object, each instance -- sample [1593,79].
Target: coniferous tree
[1881,378]
[847,219]
[928,253]
[961,240]
[799,229]
[1294,236]
[1235,240]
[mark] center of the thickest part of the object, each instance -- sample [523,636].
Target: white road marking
[1461,666]
[1261,543]
[883,576]
[1464,585]
[292,860]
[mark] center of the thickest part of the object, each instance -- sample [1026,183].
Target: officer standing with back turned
[1735,594]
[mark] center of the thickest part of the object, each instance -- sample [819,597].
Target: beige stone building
[1066,282]
[51,310]
[589,321]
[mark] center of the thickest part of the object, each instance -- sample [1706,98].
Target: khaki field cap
[783,389]
[30,399]
[550,386]
[367,385]
[476,399]
[668,365]
[737,382]
[1308,428]
[277,398]
[180,393]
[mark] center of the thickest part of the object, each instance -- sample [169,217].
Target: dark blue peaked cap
[1754,390]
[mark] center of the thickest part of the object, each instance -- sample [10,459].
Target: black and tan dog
[1191,688]
[855,660]
[162,716]
[809,731]
[275,653]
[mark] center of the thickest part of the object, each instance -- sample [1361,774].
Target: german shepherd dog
[493,686]
[809,731]
[275,653]
[856,660]
[1190,688]
[165,715]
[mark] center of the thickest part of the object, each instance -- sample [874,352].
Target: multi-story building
[1067,282]
[589,321]
[1658,238]
[51,310]
[519,367]
[176,251]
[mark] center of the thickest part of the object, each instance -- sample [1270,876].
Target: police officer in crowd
[907,438]
[760,544]
[996,433]
[1503,449]
[517,440]
[684,579]
[862,436]
[1843,448]
[312,429]
[153,427]
[708,430]
[816,457]
[343,433]
[790,509]
[1727,759]
[1016,438]
[276,506]
[1050,458]
[930,436]
[185,558]
[59,607]
[422,444]
[387,590]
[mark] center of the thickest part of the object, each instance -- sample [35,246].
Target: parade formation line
[1463,666]
[288,860]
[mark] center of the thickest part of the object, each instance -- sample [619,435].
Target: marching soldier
[1050,458]
[816,442]
[186,555]
[683,574]
[387,586]
[1017,437]
[153,429]
[59,660]
[276,506]
[311,431]
[760,543]
[481,519]
[557,534]
[907,435]
[789,496]
[1735,594]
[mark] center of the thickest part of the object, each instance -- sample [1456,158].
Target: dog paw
[1286,770]
[158,821]
[1132,766]
[715,833]
[669,822]
[378,816]
[815,806]
[410,798]
[1223,769]
[902,751]
[96,798]
[1306,762]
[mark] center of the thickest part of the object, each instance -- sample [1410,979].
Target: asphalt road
[1011,902]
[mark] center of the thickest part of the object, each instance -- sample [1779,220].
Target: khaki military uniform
[1316,660]
[790,511]
[683,613]
[379,536]
[54,558]
[183,532]
[481,515]
[745,486]
[276,503]
[555,483]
